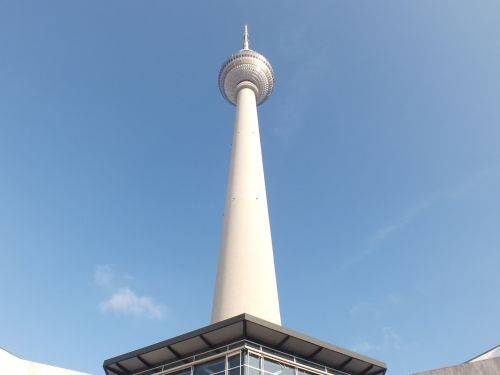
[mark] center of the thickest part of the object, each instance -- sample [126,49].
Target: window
[276,368]
[186,371]
[252,362]
[208,368]
[233,361]
[233,365]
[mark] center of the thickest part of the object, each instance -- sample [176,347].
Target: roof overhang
[243,327]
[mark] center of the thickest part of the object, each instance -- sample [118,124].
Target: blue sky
[381,147]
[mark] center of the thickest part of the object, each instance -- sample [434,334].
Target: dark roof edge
[314,341]
[237,319]
[173,340]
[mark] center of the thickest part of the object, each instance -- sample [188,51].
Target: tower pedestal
[243,345]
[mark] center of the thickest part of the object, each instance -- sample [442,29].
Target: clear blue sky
[382,154]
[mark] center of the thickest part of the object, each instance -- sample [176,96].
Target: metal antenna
[245,38]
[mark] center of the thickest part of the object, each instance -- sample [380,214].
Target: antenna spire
[245,38]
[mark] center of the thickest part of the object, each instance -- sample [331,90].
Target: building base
[243,345]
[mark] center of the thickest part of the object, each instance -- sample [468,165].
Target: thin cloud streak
[453,193]
[385,232]
[392,339]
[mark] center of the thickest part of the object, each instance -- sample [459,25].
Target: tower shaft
[246,279]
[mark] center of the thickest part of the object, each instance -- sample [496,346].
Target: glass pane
[277,368]
[254,360]
[212,367]
[234,371]
[251,371]
[233,361]
[271,366]
[186,371]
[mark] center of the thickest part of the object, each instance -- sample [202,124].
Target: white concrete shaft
[246,279]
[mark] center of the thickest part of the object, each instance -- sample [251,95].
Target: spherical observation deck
[246,66]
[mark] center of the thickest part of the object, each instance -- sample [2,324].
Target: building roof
[11,364]
[490,353]
[243,327]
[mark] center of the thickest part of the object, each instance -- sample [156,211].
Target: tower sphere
[246,68]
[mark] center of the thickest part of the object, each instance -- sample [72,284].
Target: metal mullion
[203,360]
[245,349]
[285,360]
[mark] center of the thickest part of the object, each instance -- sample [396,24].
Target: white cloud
[393,298]
[104,276]
[122,299]
[364,346]
[125,301]
[387,340]
[364,309]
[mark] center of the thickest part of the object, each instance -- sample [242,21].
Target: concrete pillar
[246,279]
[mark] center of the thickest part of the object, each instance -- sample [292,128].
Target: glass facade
[213,367]
[234,364]
[244,359]
[273,367]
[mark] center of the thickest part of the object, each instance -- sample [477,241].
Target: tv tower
[246,279]
[245,336]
